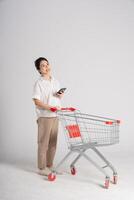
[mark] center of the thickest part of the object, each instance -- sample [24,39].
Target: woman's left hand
[60,95]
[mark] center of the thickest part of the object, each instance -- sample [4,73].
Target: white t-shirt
[44,90]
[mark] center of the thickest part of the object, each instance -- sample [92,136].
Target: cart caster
[115,178]
[107,181]
[73,170]
[51,177]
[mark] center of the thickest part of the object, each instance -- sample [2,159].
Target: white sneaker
[44,172]
[57,171]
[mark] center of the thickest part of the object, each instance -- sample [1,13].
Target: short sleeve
[36,91]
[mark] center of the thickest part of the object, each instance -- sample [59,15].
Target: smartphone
[62,90]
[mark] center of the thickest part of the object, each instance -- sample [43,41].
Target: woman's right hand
[54,109]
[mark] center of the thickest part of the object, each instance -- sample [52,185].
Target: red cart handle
[68,109]
[54,109]
[111,122]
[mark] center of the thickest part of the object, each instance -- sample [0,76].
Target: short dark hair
[37,62]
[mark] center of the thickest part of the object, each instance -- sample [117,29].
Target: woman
[46,100]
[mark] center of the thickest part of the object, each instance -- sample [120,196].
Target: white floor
[20,182]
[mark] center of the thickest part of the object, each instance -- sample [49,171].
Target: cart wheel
[51,177]
[73,170]
[115,178]
[107,183]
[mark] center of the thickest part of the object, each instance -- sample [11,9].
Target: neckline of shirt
[43,79]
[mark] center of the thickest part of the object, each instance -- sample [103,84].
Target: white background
[90,46]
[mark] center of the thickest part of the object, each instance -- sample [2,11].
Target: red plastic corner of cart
[53,109]
[72,109]
[109,122]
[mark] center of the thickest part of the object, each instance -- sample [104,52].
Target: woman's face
[44,67]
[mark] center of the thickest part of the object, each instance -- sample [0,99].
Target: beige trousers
[47,140]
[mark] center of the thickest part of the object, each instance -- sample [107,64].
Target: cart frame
[105,134]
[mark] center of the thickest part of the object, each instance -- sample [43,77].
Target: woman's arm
[45,106]
[41,104]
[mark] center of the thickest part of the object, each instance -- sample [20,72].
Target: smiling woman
[46,100]
[42,65]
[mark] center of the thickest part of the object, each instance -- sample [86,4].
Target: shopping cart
[83,132]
